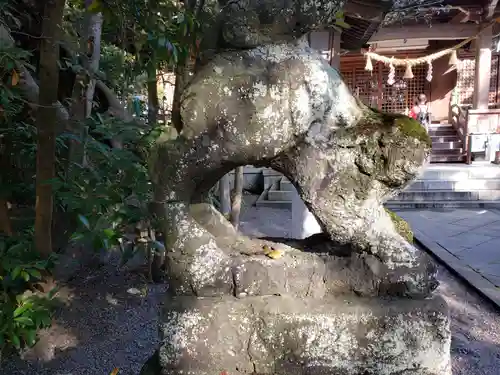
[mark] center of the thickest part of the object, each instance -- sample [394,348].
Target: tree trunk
[84,86]
[94,29]
[46,121]
[155,260]
[5,222]
[237,197]
[225,195]
[153,102]
[180,71]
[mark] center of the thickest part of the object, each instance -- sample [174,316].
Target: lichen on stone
[402,226]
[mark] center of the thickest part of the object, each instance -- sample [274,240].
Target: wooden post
[380,88]
[468,158]
[335,49]
[482,69]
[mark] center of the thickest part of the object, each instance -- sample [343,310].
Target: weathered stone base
[285,335]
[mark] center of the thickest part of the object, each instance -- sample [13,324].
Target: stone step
[449,152]
[394,204]
[274,204]
[460,172]
[442,132]
[448,195]
[447,158]
[446,138]
[440,125]
[270,172]
[458,185]
[278,195]
[286,185]
[446,145]
[270,179]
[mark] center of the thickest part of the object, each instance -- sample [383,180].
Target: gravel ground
[111,320]
[475,326]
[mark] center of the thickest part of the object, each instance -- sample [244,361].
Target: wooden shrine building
[453,50]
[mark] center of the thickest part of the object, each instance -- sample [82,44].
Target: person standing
[420,111]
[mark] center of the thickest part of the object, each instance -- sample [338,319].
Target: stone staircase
[447,147]
[440,186]
[444,184]
[452,186]
[278,191]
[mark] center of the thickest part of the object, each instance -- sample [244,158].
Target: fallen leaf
[15,78]
[115,371]
[275,254]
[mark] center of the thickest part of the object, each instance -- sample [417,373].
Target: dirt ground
[110,320]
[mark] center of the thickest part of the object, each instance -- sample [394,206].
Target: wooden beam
[470,13]
[462,16]
[443,31]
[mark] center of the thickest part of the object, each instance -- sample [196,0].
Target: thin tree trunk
[153,102]
[237,197]
[84,86]
[75,124]
[155,260]
[225,195]
[94,31]
[180,72]
[46,121]
[5,222]
[182,69]
[80,109]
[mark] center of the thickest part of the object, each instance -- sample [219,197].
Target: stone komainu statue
[358,300]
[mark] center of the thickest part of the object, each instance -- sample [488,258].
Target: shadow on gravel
[108,319]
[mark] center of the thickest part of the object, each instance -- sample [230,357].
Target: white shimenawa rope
[425,59]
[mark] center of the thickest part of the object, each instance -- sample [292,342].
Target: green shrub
[22,312]
[110,193]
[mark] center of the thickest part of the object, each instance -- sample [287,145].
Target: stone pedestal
[285,335]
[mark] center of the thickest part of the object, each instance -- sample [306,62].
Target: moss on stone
[412,128]
[408,126]
[402,227]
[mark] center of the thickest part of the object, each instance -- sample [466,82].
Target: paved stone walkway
[467,240]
